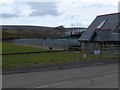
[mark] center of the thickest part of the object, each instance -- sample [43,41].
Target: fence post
[27,57]
[100,54]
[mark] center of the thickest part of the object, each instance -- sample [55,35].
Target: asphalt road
[104,76]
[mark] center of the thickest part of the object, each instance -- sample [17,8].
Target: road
[103,76]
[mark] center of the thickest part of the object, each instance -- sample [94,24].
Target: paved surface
[104,76]
[57,66]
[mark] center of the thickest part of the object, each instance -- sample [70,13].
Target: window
[101,24]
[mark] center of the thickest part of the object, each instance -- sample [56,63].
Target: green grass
[12,61]
[24,60]
[12,48]
[37,59]
[0,47]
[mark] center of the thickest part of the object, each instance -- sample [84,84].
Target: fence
[51,57]
[48,43]
[109,49]
[25,58]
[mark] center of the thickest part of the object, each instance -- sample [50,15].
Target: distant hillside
[19,31]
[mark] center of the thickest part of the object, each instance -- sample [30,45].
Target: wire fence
[48,43]
[51,57]
[108,49]
[73,54]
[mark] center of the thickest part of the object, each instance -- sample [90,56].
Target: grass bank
[12,48]
[23,60]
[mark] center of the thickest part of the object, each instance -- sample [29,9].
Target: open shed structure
[104,32]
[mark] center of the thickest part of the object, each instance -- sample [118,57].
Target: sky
[53,13]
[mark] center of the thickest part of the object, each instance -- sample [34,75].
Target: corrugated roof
[104,35]
[111,23]
[115,37]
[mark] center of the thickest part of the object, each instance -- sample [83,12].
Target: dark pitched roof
[115,37]
[104,35]
[109,21]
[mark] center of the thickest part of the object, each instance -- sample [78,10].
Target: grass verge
[12,48]
[26,60]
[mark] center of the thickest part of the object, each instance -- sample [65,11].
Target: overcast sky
[54,12]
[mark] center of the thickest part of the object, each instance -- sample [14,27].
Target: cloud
[8,15]
[78,7]
[85,11]
[23,9]
[119,6]
[55,12]
[97,6]
[43,8]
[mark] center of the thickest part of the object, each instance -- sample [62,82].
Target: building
[74,32]
[103,32]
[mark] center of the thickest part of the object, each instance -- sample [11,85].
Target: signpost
[97,52]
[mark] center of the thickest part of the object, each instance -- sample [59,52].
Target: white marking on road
[56,84]
[110,76]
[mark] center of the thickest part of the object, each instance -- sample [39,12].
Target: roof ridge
[103,29]
[109,14]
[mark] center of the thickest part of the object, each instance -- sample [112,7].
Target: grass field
[13,61]
[12,48]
